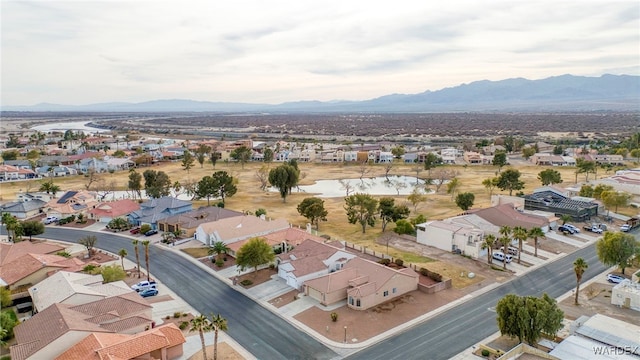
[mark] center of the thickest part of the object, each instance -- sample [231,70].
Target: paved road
[258,330]
[455,330]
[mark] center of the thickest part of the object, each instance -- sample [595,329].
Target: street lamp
[345,334]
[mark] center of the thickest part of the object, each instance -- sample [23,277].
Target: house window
[386,293]
[358,303]
[395,290]
[351,300]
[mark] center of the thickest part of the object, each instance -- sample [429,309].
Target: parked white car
[500,256]
[51,220]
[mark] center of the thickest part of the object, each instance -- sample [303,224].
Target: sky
[269,52]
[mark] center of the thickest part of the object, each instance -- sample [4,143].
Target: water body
[64,126]
[395,185]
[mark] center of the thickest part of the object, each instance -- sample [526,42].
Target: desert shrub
[144,228]
[485,352]
[89,268]
[399,262]
[167,317]
[431,274]
[384,261]
[246,282]
[63,254]
[219,263]
[185,314]
[177,314]
[334,316]
[220,204]
[183,325]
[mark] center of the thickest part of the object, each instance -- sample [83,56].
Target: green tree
[528,317]
[558,150]
[505,240]
[241,154]
[615,199]
[32,227]
[5,297]
[284,178]
[488,243]
[202,325]
[416,197]
[500,160]
[465,200]
[224,185]
[600,189]
[119,154]
[146,243]
[549,177]
[254,253]
[122,253]
[187,161]
[404,226]
[361,209]
[89,242]
[398,151]
[312,209]
[201,153]
[528,152]
[579,267]
[156,183]
[586,191]
[585,167]
[452,187]
[268,155]
[617,248]
[431,160]
[218,248]
[206,188]
[10,223]
[10,155]
[260,212]
[218,323]
[49,187]
[111,273]
[490,184]
[214,156]
[535,234]
[389,212]
[135,183]
[636,154]
[33,154]
[137,252]
[8,321]
[521,234]
[510,180]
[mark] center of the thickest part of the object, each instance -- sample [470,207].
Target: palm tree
[10,223]
[122,253]
[505,240]
[217,323]
[534,234]
[146,256]
[488,243]
[218,248]
[565,218]
[520,234]
[201,324]
[579,266]
[135,248]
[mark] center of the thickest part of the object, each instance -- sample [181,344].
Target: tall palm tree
[505,240]
[565,218]
[201,324]
[520,234]
[488,243]
[579,266]
[217,323]
[534,234]
[122,253]
[218,248]
[10,223]
[135,248]
[146,256]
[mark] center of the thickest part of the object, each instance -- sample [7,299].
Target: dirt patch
[158,298]
[225,352]
[285,299]
[228,261]
[363,325]
[182,317]
[596,299]
[78,225]
[256,278]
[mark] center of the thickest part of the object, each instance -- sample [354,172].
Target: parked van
[500,256]
[510,250]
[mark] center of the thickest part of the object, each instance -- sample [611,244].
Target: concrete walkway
[565,239]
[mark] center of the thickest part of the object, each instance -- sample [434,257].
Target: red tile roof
[12,251]
[115,209]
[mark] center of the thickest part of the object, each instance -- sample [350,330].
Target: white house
[452,237]
[626,294]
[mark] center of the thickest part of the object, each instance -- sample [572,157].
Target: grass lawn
[196,252]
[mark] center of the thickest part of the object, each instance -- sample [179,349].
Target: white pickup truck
[593,229]
[144,285]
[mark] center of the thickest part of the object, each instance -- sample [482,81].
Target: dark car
[151,232]
[148,292]
[567,229]
[135,230]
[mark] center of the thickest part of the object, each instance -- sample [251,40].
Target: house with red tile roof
[309,260]
[9,172]
[292,237]
[109,210]
[363,283]
[506,215]
[30,269]
[163,343]
[237,228]
[52,331]
[11,251]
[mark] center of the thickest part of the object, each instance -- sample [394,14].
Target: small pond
[395,185]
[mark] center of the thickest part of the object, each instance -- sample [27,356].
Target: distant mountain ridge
[554,94]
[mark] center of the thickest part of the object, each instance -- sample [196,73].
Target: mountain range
[565,93]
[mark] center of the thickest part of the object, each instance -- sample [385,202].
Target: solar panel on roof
[66,196]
